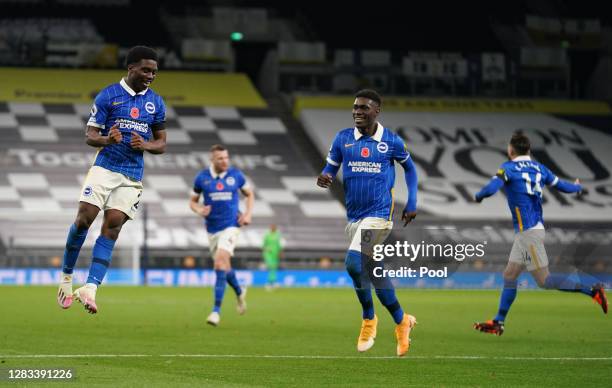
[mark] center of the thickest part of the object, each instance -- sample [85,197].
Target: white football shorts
[111,190]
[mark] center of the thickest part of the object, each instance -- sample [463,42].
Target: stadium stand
[288,50]
[46,159]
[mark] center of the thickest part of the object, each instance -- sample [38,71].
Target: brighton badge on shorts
[150,107]
[88,191]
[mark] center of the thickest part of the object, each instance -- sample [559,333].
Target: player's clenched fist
[114,135]
[204,211]
[324,180]
[137,142]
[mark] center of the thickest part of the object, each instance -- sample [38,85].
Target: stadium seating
[45,160]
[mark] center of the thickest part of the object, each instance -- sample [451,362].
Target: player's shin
[361,284]
[389,300]
[219,289]
[74,242]
[233,282]
[506,299]
[102,253]
[562,282]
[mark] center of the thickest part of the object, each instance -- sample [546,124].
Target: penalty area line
[305,357]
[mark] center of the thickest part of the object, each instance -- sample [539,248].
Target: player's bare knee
[541,283]
[222,264]
[82,222]
[111,231]
[510,274]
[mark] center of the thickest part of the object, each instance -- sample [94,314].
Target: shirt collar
[215,175]
[522,158]
[131,92]
[377,135]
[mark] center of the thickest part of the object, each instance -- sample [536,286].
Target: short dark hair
[217,147]
[520,143]
[371,94]
[137,53]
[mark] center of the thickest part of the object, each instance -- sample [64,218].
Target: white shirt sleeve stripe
[330,161]
[94,124]
[555,181]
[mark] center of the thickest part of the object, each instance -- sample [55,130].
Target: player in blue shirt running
[127,118]
[220,186]
[367,154]
[523,179]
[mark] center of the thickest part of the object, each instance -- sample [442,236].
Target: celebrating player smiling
[127,118]
[367,154]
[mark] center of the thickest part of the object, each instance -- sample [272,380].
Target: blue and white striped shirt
[134,112]
[221,192]
[368,170]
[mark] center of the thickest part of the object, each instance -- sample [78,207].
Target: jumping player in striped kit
[127,118]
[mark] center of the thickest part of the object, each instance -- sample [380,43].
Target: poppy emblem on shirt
[365,152]
[220,186]
[134,113]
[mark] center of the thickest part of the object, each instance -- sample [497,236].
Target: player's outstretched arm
[155,146]
[412,182]
[490,189]
[246,217]
[95,139]
[567,187]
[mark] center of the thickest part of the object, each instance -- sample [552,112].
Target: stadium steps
[281,105]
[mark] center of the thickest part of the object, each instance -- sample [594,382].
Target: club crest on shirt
[365,152]
[220,186]
[134,113]
[230,181]
[382,147]
[150,107]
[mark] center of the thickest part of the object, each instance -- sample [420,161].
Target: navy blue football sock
[389,300]
[564,283]
[507,298]
[233,282]
[362,285]
[102,253]
[74,242]
[219,289]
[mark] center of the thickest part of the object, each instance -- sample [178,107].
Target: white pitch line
[304,357]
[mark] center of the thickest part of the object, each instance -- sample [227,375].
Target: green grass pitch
[304,337]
